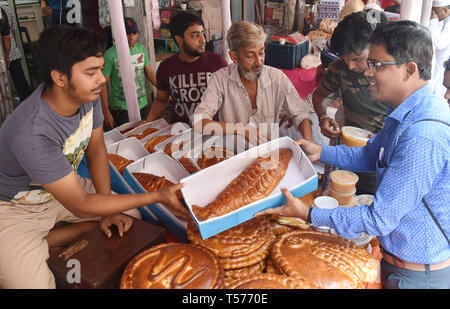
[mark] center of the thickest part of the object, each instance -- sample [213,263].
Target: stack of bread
[242,250]
[325,30]
[343,187]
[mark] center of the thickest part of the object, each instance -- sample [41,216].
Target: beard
[192,52]
[249,75]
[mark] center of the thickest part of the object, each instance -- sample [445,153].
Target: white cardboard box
[130,149]
[112,136]
[234,143]
[159,164]
[202,188]
[173,129]
[158,124]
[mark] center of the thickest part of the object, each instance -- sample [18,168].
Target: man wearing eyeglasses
[350,41]
[411,157]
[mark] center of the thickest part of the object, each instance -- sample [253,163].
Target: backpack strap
[423,199]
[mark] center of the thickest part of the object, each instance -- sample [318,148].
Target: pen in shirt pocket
[381,158]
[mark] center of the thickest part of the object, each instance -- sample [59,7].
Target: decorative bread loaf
[173,266]
[130,128]
[323,260]
[146,132]
[213,156]
[255,182]
[188,165]
[170,147]
[152,183]
[150,145]
[119,162]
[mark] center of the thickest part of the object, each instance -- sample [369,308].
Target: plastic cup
[355,137]
[364,199]
[282,41]
[346,199]
[343,181]
[326,202]
[183,6]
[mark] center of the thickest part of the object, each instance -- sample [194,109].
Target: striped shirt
[227,96]
[412,161]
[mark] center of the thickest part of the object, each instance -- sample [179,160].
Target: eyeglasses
[373,65]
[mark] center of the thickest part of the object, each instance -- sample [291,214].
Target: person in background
[447,80]
[440,32]
[353,6]
[248,93]
[395,8]
[183,77]
[58,11]
[411,157]
[350,42]
[41,146]
[116,112]
[386,3]
[104,19]
[6,37]
[15,66]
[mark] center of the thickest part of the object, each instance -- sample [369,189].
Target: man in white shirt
[248,96]
[440,32]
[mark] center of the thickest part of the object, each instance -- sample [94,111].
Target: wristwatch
[308,219]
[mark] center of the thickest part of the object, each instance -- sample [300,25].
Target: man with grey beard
[248,96]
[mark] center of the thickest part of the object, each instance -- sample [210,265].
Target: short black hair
[60,47]
[182,20]
[447,64]
[406,40]
[352,34]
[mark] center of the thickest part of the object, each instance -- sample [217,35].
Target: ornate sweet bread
[173,147]
[150,145]
[119,162]
[233,275]
[188,165]
[323,260]
[146,132]
[213,156]
[152,183]
[173,266]
[244,261]
[240,240]
[269,281]
[255,182]
[130,128]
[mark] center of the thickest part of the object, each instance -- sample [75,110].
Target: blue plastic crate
[287,56]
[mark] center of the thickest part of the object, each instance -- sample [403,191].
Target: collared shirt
[412,161]
[227,96]
[14,53]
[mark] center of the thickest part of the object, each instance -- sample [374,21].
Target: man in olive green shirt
[116,112]
[350,41]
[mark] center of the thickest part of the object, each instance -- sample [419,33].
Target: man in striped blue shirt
[411,157]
